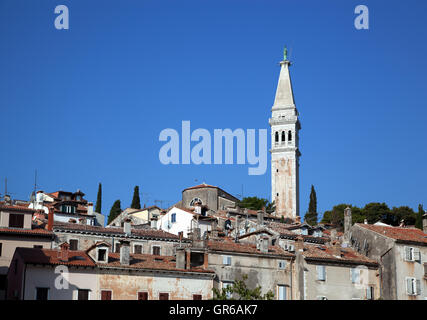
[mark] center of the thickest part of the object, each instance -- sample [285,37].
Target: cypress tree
[136,203]
[115,211]
[311,215]
[99,199]
[419,218]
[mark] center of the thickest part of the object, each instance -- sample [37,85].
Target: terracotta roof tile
[398,233]
[52,257]
[229,245]
[325,253]
[27,232]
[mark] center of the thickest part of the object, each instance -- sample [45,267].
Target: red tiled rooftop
[52,257]
[16,208]
[149,262]
[149,233]
[229,245]
[348,255]
[27,232]
[398,233]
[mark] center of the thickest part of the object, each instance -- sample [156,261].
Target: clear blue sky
[86,105]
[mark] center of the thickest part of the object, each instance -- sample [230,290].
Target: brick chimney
[63,253]
[50,219]
[124,252]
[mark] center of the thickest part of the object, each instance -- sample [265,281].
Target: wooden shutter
[321,272]
[418,287]
[407,253]
[73,244]
[83,295]
[138,249]
[163,296]
[105,295]
[197,297]
[16,220]
[409,286]
[417,254]
[282,293]
[142,295]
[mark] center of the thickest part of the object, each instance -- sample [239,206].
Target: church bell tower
[284,147]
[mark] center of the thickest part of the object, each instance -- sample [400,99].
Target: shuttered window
[42,293]
[370,293]
[163,296]
[105,295]
[226,260]
[321,273]
[355,275]
[83,294]
[142,295]
[137,249]
[282,292]
[16,220]
[74,244]
[156,250]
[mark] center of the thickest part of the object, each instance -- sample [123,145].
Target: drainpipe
[290,282]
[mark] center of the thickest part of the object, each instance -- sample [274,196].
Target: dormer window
[68,209]
[102,254]
[16,220]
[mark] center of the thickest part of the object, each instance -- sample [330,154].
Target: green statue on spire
[285,54]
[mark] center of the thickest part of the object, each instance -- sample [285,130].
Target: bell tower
[284,147]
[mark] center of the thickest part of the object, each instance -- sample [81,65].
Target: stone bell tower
[284,147]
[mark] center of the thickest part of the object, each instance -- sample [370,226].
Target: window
[3,279]
[282,264]
[412,254]
[16,220]
[370,293]
[36,246]
[173,217]
[276,137]
[289,136]
[42,293]
[194,201]
[413,286]
[1,247]
[83,294]
[163,296]
[74,244]
[137,249]
[355,275]
[226,260]
[304,231]
[102,254]
[226,285]
[142,295]
[281,292]
[117,247]
[105,295]
[321,273]
[197,297]
[156,250]
[283,136]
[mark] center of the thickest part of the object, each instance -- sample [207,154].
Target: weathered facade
[401,253]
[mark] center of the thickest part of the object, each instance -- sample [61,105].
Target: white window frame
[415,286]
[355,279]
[284,289]
[138,244]
[106,254]
[322,269]
[226,260]
[282,264]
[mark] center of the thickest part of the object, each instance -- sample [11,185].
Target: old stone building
[401,253]
[285,147]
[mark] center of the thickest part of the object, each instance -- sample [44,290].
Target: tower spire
[284,94]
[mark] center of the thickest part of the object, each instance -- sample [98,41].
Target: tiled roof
[27,232]
[149,262]
[144,233]
[21,208]
[398,233]
[203,185]
[52,257]
[325,253]
[229,245]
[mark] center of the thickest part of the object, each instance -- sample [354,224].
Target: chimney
[124,252]
[333,234]
[180,259]
[7,199]
[261,217]
[347,224]
[126,227]
[425,223]
[50,219]
[63,253]
[153,222]
[263,246]
[90,208]
[299,244]
[236,229]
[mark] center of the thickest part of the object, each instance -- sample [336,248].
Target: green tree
[99,199]
[404,213]
[240,291]
[136,202]
[115,211]
[376,211]
[419,218]
[336,215]
[254,203]
[311,216]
